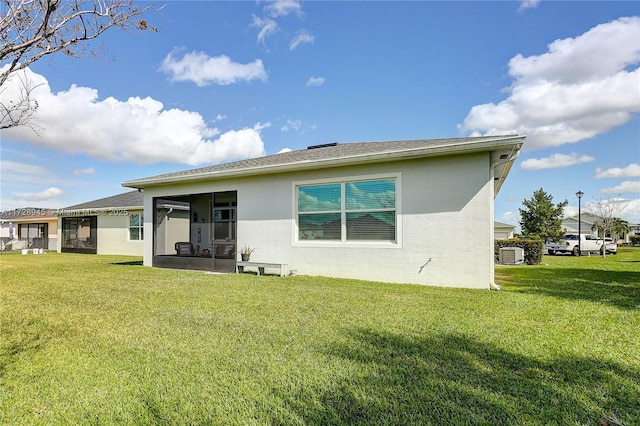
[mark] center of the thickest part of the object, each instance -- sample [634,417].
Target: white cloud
[309,127]
[632,170]
[631,211]
[528,4]
[277,9]
[283,8]
[297,126]
[301,37]
[10,168]
[47,194]
[81,172]
[138,130]
[291,125]
[624,187]
[267,27]
[579,88]
[24,173]
[283,150]
[571,211]
[315,81]
[510,218]
[204,70]
[17,178]
[555,161]
[624,208]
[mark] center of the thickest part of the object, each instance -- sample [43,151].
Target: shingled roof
[128,199]
[336,154]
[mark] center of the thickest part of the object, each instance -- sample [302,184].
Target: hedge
[533,249]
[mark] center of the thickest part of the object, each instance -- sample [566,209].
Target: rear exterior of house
[110,225]
[381,211]
[29,228]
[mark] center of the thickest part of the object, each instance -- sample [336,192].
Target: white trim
[296,242]
[140,227]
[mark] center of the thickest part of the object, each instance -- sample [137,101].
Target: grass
[102,340]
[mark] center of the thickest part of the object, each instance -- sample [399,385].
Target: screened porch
[196,231]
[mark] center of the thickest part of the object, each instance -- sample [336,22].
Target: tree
[33,29]
[606,211]
[541,218]
[620,228]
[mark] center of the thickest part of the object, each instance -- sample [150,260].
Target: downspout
[166,230]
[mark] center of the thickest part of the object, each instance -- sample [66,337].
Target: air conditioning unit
[511,255]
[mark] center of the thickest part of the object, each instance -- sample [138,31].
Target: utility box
[511,255]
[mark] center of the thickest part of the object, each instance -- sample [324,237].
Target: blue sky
[223,81]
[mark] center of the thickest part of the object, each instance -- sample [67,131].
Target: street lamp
[579,194]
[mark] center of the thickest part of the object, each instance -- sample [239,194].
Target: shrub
[634,239]
[533,249]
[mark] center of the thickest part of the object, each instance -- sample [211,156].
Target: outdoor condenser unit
[511,255]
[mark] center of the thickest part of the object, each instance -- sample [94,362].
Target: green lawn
[103,340]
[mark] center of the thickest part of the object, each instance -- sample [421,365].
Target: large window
[136,227]
[358,210]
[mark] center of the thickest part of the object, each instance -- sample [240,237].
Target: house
[111,225]
[503,231]
[30,227]
[382,211]
[570,224]
[587,226]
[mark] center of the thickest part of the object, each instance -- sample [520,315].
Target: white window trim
[296,242]
[140,227]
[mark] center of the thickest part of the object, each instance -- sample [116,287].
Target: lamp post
[579,194]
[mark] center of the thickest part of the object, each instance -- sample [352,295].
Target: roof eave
[503,167]
[500,142]
[84,210]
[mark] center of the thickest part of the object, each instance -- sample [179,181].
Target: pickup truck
[571,244]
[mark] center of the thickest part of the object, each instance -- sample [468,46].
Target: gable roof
[584,217]
[131,199]
[339,154]
[497,224]
[25,216]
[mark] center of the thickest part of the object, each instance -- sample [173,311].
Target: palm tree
[620,227]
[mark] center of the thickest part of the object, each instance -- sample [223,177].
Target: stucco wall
[113,235]
[445,223]
[174,226]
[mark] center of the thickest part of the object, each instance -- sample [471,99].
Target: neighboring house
[382,211]
[111,225]
[503,231]
[30,227]
[587,221]
[570,224]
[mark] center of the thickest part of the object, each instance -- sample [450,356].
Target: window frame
[343,241]
[78,243]
[140,227]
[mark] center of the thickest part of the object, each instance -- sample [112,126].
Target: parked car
[611,246]
[574,244]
